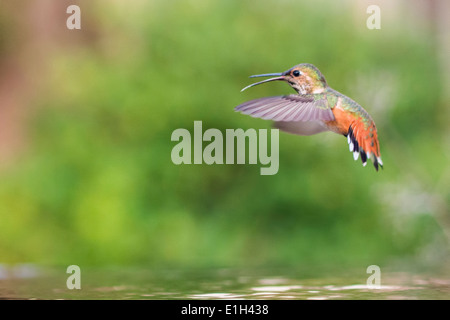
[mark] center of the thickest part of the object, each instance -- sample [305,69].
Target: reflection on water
[31,282]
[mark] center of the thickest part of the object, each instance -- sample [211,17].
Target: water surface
[31,282]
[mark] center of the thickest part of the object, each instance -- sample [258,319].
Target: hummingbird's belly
[342,120]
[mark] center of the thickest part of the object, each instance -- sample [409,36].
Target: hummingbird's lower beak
[277,76]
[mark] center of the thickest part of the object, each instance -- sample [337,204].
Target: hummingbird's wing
[302,128]
[288,108]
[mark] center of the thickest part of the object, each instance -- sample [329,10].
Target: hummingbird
[316,108]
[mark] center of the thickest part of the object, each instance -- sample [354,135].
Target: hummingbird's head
[304,78]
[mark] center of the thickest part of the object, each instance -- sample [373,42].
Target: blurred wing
[302,128]
[288,108]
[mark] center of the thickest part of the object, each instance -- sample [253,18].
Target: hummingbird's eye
[296,73]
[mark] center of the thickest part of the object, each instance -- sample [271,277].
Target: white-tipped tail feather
[358,150]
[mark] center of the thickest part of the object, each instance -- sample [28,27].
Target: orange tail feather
[364,141]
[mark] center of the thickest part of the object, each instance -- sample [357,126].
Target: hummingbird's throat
[306,88]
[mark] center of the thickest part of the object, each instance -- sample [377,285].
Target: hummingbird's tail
[363,141]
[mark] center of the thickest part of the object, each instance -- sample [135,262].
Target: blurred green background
[86,175]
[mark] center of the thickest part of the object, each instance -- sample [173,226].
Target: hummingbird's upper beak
[277,76]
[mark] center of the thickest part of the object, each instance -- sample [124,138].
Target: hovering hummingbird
[316,108]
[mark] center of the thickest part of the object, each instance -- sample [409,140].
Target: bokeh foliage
[97,185]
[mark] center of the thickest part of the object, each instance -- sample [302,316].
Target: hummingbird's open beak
[277,76]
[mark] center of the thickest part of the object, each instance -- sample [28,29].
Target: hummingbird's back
[354,122]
